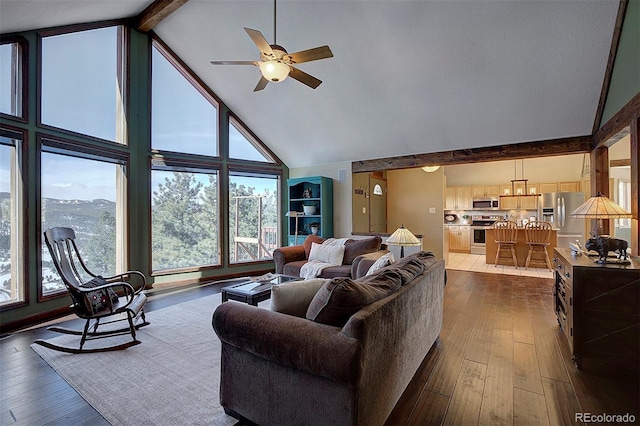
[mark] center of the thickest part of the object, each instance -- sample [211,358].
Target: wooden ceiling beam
[156,12]
[613,51]
[564,146]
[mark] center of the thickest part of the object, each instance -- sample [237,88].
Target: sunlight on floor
[476,263]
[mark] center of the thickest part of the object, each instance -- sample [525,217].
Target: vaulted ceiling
[407,77]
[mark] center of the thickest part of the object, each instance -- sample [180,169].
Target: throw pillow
[354,248]
[341,297]
[307,244]
[382,261]
[326,254]
[294,297]
[98,300]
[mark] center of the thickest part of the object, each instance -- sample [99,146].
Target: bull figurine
[603,245]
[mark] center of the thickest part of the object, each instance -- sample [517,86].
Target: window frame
[162,163]
[123,70]
[197,83]
[109,154]
[24,77]
[270,157]
[256,172]
[21,250]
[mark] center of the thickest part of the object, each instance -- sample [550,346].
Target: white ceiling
[407,77]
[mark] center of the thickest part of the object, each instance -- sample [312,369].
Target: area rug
[172,377]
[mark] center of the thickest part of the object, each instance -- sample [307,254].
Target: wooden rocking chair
[97,298]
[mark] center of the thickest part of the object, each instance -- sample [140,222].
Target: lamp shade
[403,237]
[600,207]
[274,71]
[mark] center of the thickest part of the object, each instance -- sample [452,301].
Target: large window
[11,262]
[253,216]
[184,216]
[82,193]
[82,83]
[11,79]
[183,118]
[243,146]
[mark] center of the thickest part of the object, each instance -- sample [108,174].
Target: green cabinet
[315,191]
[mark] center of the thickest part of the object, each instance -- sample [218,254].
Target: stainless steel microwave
[486,203]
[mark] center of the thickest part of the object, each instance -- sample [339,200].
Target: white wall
[415,199]
[341,192]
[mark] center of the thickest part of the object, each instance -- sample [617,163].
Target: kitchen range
[479,223]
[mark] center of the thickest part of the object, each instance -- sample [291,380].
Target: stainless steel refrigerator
[556,207]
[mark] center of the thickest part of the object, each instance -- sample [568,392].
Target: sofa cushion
[384,260]
[341,297]
[294,297]
[411,266]
[354,248]
[293,269]
[308,242]
[326,253]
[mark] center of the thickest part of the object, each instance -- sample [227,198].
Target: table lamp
[295,214]
[600,207]
[403,237]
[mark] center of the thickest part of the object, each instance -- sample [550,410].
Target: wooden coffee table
[253,291]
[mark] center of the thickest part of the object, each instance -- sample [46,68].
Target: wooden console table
[597,307]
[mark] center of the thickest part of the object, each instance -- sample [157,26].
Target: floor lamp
[403,237]
[295,214]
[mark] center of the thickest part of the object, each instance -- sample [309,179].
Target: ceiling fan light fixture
[274,71]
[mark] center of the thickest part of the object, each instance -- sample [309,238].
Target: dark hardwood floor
[500,359]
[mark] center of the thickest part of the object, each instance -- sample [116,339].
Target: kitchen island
[522,248]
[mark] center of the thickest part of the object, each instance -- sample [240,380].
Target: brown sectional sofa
[359,255]
[279,369]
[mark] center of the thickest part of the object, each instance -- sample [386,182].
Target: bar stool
[506,237]
[538,236]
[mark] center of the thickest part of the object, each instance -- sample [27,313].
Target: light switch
[432,209]
[364,210]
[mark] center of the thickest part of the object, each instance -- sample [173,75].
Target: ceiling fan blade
[261,84]
[304,78]
[309,55]
[233,63]
[260,41]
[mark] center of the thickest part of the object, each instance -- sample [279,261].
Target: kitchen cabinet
[519,202]
[486,191]
[547,187]
[528,202]
[569,186]
[505,190]
[509,202]
[458,198]
[598,308]
[460,238]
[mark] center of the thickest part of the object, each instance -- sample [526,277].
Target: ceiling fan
[276,64]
